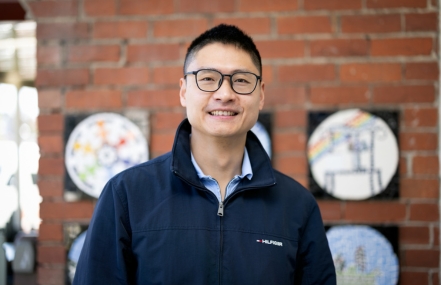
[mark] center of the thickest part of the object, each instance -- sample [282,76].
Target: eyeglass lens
[210,80]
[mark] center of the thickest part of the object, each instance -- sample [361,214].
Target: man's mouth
[223,113]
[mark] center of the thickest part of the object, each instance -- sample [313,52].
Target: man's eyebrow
[233,71]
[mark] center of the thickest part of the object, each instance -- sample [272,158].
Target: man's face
[222,113]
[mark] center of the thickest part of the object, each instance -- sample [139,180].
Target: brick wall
[119,55]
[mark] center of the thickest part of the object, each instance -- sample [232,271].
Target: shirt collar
[247,171]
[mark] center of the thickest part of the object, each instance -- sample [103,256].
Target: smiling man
[213,210]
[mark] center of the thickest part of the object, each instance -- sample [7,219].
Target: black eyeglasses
[210,80]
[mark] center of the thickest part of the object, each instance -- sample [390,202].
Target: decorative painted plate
[362,256]
[353,155]
[262,134]
[101,146]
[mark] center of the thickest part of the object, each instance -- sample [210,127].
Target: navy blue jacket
[156,223]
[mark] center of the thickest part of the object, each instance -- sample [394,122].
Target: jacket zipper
[220,210]
[221,239]
[220,213]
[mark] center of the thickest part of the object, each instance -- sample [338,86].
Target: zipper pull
[220,210]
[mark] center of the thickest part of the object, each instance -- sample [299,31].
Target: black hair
[228,35]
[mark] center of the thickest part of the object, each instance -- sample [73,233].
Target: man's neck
[220,158]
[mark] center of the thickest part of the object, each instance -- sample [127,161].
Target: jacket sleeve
[106,257]
[314,259]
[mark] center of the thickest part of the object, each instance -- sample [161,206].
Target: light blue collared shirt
[211,184]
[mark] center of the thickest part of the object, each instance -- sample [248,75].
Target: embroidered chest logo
[278,243]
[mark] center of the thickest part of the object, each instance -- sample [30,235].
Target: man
[213,210]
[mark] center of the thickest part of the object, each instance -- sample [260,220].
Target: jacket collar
[181,165]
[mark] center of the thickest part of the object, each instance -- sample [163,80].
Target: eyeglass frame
[222,79]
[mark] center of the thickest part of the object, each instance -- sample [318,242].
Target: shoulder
[291,190]
[290,184]
[159,164]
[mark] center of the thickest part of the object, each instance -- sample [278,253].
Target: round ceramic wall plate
[263,136]
[101,146]
[353,155]
[362,255]
[74,255]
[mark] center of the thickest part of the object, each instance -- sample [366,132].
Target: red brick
[53,8]
[251,26]
[51,276]
[62,77]
[49,99]
[330,210]
[68,31]
[50,144]
[332,5]
[421,22]
[304,25]
[371,24]
[180,28]
[421,117]
[121,76]
[422,70]
[419,188]
[288,141]
[436,236]
[213,6]
[306,73]
[418,141]
[51,166]
[167,75]
[339,47]
[435,278]
[425,165]
[370,72]
[375,212]
[120,29]
[88,53]
[146,7]
[337,95]
[266,6]
[50,187]
[166,121]
[51,254]
[401,47]
[50,232]
[50,123]
[267,74]
[66,210]
[153,98]
[291,165]
[86,100]
[152,52]
[414,235]
[412,278]
[424,212]
[162,143]
[396,3]
[285,96]
[48,55]
[403,94]
[100,7]
[290,118]
[402,165]
[281,49]
[420,258]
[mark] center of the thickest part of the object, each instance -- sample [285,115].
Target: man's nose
[225,91]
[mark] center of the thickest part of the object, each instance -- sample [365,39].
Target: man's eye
[241,80]
[206,78]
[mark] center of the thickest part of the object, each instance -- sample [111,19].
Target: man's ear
[182,92]
[262,95]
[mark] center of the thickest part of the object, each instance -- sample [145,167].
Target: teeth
[222,113]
